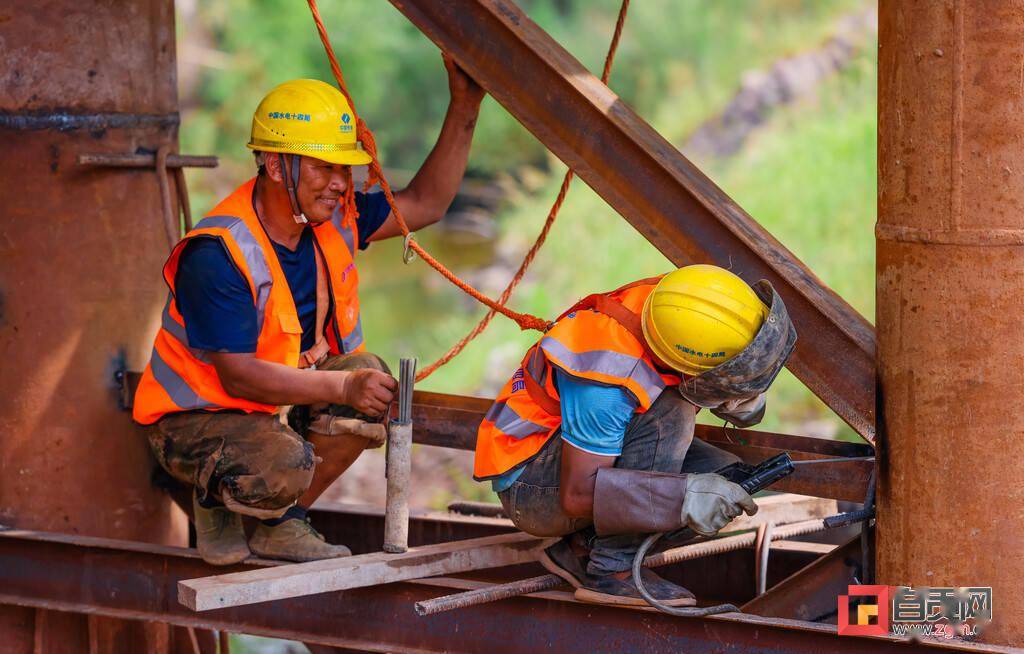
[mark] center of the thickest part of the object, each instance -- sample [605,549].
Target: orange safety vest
[180,378]
[598,339]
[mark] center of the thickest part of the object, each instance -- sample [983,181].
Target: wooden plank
[301,579]
[802,546]
[783,509]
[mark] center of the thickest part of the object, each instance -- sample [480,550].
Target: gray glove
[712,501]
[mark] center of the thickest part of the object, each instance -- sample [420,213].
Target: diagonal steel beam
[645,178]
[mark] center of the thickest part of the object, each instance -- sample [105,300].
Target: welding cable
[685,611]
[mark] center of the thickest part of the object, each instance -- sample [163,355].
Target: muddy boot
[561,560]
[220,537]
[293,540]
[610,589]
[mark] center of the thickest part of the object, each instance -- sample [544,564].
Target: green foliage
[679,62]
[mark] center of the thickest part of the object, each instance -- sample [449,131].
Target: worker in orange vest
[592,437]
[263,312]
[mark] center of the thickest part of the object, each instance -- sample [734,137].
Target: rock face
[787,80]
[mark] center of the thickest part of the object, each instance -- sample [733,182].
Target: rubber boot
[561,560]
[220,537]
[294,540]
[609,589]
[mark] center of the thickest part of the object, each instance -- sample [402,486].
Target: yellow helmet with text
[700,316]
[307,117]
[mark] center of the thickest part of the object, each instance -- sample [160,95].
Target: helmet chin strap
[291,182]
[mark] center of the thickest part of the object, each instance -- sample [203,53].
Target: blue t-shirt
[216,302]
[594,419]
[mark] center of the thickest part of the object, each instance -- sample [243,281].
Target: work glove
[712,501]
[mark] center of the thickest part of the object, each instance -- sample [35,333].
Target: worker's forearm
[437,181]
[273,383]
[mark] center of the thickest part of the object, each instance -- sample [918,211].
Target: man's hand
[464,89]
[368,391]
[712,501]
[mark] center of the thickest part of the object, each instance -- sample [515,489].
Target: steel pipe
[950,291]
[80,287]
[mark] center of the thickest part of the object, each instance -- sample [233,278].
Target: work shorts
[252,462]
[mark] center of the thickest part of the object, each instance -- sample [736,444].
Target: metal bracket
[127,381]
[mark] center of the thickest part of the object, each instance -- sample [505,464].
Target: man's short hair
[261,162]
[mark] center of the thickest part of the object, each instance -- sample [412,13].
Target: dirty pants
[661,440]
[251,462]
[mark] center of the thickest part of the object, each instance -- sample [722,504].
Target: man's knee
[355,361]
[267,479]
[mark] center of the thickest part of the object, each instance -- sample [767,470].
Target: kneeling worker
[263,312]
[592,437]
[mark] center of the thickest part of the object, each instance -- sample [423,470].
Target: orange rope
[524,320]
[548,223]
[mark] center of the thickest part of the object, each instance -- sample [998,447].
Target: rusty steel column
[950,244]
[80,287]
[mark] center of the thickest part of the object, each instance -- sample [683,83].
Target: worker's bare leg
[338,435]
[337,454]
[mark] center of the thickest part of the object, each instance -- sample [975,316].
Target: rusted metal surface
[80,290]
[80,294]
[652,185]
[88,57]
[135,581]
[950,290]
[811,593]
[452,421]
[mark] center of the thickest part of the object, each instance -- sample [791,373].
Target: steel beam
[810,593]
[136,581]
[452,421]
[662,194]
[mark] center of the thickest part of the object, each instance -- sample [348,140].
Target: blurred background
[773,99]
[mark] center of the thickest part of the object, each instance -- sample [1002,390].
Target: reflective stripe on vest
[180,378]
[176,388]
[606,363]
[354,340]
[347,233]
[255,260]
[511,423]
[586,344]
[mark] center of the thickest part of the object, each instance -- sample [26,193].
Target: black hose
[685,611]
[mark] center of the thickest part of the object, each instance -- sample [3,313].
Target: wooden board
[301,579]
[782,509]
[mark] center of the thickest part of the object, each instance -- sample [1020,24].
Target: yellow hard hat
[700,316]
[307,117]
